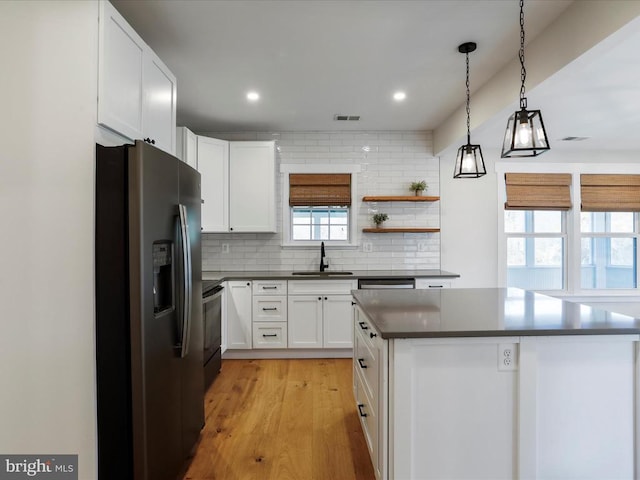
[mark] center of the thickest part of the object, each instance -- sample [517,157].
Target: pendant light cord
[523,71]
[468,108]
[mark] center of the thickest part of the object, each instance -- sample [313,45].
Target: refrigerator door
[192,364]
[155,313]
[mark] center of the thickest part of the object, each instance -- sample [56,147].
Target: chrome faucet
[322,264]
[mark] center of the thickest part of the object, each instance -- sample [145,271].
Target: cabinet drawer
[270,335]
[268,308]
[433,283]
[366,361]
[368,332]
[368,419]
[269,287]
[322,287]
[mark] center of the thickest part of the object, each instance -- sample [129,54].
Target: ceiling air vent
[574,139]
[343,118]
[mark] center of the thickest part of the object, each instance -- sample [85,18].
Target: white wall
[48,82]
[389,162]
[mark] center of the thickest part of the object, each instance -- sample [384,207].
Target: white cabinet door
[187,146]
[136,91]
[159,104]
[337,313]
[213,165]
[239,301]
[120,71]
[252,187]
[305,321]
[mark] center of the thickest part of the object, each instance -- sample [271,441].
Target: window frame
[285,170]
[573,251]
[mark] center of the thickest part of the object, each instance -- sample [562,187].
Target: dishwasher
[386,282]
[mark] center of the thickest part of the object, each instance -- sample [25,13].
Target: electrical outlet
[507,357]
[367,247]
[225,248]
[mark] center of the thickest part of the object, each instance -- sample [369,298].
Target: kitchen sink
[322,274]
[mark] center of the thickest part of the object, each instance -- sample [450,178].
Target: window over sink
[317,204]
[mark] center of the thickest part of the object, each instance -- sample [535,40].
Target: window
[608,250]
[535,249]
[320,223]
[579,240]
[317,205]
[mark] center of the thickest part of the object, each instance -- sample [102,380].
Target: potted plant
[379,218]
[418,187]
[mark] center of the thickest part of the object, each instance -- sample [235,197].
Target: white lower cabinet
[433,283]
[320,314]
[238,314]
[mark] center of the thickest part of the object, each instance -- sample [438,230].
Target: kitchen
[50,132]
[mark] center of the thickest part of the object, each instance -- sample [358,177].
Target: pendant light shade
[525,135]
[469,161]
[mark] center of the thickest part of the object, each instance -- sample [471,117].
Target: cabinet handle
[353,303]
[371,335]
[361,363]
[363,326]
[270,288]
[230,228]
[319,298]
[362,414]
[325,298]
[267,309]
[248,284]
[436,286]
[270,335]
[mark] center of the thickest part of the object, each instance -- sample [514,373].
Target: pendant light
[469,161]
[525,135]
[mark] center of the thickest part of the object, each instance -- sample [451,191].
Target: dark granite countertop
[356,274]
[484,312]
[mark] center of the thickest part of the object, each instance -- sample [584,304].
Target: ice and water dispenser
[163,298]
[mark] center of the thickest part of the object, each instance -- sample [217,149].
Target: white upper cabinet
[252,187]
[187,146]
[213,165]
[136,91]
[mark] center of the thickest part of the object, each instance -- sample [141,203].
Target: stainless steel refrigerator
[150,393]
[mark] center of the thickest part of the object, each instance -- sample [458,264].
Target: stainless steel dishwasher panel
[386,282]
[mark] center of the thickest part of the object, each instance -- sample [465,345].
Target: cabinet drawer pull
[269,308]
[353,303]
[363,326]
[269,334]
[361,363]
[270,288]
[362,414]
[371,335]
[436,286]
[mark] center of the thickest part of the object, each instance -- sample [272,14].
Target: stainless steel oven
[212,319]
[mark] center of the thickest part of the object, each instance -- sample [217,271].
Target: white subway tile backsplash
[389,162]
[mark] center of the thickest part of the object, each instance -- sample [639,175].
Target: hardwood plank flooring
[282,420]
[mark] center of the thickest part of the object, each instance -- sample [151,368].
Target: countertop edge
[223,276]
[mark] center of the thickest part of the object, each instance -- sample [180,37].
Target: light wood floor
[282,420]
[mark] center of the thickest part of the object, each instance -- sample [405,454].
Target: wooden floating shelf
[399,198]
[401,230]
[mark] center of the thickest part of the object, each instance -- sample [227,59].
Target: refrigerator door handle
[187,286]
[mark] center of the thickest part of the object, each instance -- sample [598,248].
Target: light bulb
[468,162]
[523,135]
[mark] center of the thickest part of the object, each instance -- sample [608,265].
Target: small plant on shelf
[418,187]
[379,218]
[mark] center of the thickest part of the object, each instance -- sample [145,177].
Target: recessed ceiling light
[399,96]
[253,96]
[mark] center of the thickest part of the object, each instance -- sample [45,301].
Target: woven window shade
[538,191]
[319,189]
[610,193]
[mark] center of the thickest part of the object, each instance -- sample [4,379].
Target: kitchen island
[495,384]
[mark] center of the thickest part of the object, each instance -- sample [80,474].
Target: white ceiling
[313,59]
